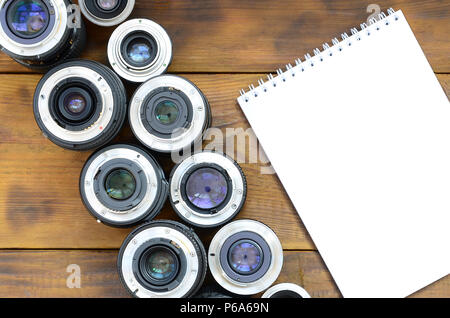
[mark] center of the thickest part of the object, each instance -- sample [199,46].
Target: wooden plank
[262,35]
[44,274]
[39,181]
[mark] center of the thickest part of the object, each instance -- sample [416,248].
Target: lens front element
[206,188]
[120,184]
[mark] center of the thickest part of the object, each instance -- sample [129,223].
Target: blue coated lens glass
[206,188]
[161,264]
[28,18]
[245,257]
[139,51]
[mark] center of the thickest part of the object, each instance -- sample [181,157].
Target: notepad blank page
[361,143]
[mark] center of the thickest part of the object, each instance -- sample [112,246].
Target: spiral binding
[318,55]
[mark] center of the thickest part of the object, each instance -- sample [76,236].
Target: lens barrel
[123,185]
[106,12]
[207,189]
[168,113]
[245,257]
[139,49]
[40,34]
[80,105]
[163,259]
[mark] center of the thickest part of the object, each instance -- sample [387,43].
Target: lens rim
[218,260]
[140,73]
[27,40]
[230,207]
[143,207]
[90,93]
[283,287]
[179,140]
[180,237]
[149,282]
[219,169]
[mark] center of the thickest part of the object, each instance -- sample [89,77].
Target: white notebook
[359,135]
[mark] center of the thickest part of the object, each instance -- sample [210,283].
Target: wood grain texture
[262,35]
[43,274]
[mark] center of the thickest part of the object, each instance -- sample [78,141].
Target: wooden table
[221,46]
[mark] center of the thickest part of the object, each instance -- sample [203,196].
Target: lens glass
[120,184]
[161,264]
[245,257]
[166,112]
[28,18]
[206,188]
[107,5]
[74,103]
[139,51]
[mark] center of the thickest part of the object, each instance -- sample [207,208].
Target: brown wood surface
[221,46]
[44,274]
[262,35]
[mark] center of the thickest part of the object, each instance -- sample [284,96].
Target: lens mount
[149,190]
[179,244]
[226,206]
[286,290]
[100,16]
[194,114]
[158,44]
[105,108]
[269,265]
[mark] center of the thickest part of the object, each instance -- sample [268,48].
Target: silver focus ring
[235,286]
[193,266]
[48,44]
[135,213]
[97,128]
[107,22]
[238,190]
[182,140]
[286,287]
[158,65]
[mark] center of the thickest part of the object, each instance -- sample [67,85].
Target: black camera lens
[207,189]
[163,117]
[40,33]
[162,259]
[245,257]
[122,185]
[80,105]
[139,49]
[106,12]
[286,290]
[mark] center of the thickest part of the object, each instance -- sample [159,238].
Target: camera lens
[168,113]
[80,105]
[31,32]
[163,259]
[245,257]
[139,49]
[122,185]
[208,189]
[106,12]
[286,290]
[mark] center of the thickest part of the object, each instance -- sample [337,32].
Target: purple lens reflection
[245,257]
[206,188]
